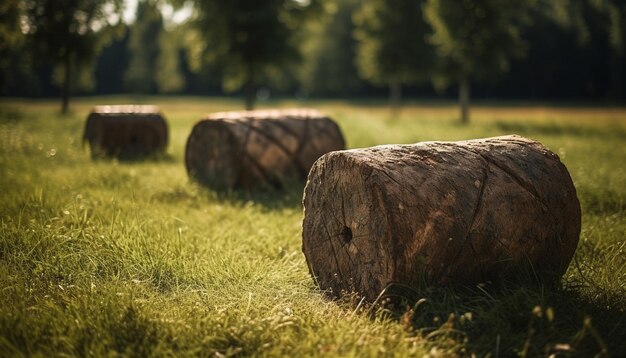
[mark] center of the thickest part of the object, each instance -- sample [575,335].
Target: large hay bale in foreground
[257,148]
[438,213]
[125,131]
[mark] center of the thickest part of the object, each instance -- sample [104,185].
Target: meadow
[133,258]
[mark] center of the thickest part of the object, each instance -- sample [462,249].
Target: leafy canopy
[393,42]
[477,38]
[329,51]
[62,28]
[246,38]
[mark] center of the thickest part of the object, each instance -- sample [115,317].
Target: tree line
[527,49]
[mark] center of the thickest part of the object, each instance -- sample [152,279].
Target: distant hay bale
[259,148]
[125,131]
[438,213]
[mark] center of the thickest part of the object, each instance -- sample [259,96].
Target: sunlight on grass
[101,257]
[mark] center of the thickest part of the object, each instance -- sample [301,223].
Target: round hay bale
[259,148]
[438,213]
[125,131]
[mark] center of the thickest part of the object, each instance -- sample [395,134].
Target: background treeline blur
[526,49]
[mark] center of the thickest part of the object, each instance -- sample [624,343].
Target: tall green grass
[107,257]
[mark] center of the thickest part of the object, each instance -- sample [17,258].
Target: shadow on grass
[131,158]
[555,129]
[513,319]
[289,196]
[9,115]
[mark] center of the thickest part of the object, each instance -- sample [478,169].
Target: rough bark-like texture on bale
[257,148]
[125,131]
[438,213]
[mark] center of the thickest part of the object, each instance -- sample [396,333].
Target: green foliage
[144,48]
[575,48]
[329,50]
[68,33]
[590,20]
[248,38]
[15,62]
[10,24]
[131,258]
[11,36]
[154,62]
[477,39]
[393,43]
[168,76]
[599,27]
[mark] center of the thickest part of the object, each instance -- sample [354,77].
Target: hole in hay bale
[346,233]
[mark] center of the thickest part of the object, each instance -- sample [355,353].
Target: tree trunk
[438,213]
[395,97]
[126,132]
[67,83]
[259,148]
[464,99]
[617,74]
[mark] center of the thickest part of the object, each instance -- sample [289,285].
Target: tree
[169,76]
[154,58]
[595,23]
[248,38]
[475,40]
[11,38]
[143,47]
[329,52]
[112,63]
[17,73]
[69,33]
[393,47]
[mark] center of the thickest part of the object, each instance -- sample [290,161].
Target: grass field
[106,257]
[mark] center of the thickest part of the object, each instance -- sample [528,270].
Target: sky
[176,17]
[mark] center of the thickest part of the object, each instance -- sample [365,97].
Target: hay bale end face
[259,148]
[438,213]
[125,131]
